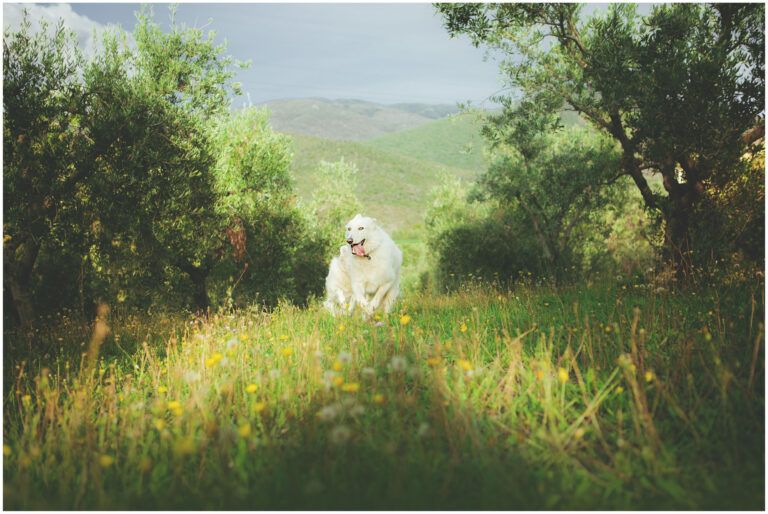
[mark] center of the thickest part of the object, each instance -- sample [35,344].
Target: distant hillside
[352,120]
[392,187]
[453,141]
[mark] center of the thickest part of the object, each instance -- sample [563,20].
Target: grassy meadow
[621,396]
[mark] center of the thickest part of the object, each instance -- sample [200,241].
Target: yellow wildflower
[283,337]
[539,374]
[159,424]
[175,407]
[26,399]
[259,406]
[351,387]
[213,360]
[649,376]
[378,399]
[338,380]
[162,389]
[433,361]
[405,319]
[337,365]
[464,364]
[243,337]
[579,433]
[619,390]
[6,450]
[251,388]
[562,375]
[341,327]
[244,430]
[106,461]
[463,327]
[287,352]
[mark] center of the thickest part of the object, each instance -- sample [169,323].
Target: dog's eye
[348,229]
[360,228]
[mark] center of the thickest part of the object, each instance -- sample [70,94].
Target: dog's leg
[377,298]
[391,297]
[358,297]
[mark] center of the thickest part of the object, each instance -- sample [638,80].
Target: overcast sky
[385,53]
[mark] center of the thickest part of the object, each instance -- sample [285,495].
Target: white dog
[374,266]
[338,288]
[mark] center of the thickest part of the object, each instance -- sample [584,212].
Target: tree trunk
[677,244]
[19,263]
[198,275]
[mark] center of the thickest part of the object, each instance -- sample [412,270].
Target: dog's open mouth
[357,248]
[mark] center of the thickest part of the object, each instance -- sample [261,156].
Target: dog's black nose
[350,240]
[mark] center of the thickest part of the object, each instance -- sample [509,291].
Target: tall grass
[570,398]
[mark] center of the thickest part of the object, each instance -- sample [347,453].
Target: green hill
[392,187]
[454,141]
[354,120]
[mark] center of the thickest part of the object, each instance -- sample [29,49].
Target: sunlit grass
[535,397]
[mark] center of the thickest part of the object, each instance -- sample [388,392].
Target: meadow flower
[26,399]
[191,376]
[340,434]
[398,364]
[283,337]
[341,327]
[259,407]
[6,450]
[539,374]
[232,343]
[251,388]
[213,360]
[405,319]
[649,376]
[106,461]
[579,433]
[619,390]
[463,328]
[162,389]
[562,375]
[379,399]
[244,430]
[337,380]
[287,352]
[159,424]
[328,412]
[175,407]
[433,361]
[351,387]
[464,364]
[379,324]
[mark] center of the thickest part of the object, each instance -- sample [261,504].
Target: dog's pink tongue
[358,250]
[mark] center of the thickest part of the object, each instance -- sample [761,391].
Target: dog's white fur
[374,278]
[338,288]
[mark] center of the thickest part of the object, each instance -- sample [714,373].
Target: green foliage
[546,195]
[130,179]
[681,90]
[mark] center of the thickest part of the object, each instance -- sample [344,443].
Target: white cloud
[87,31]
